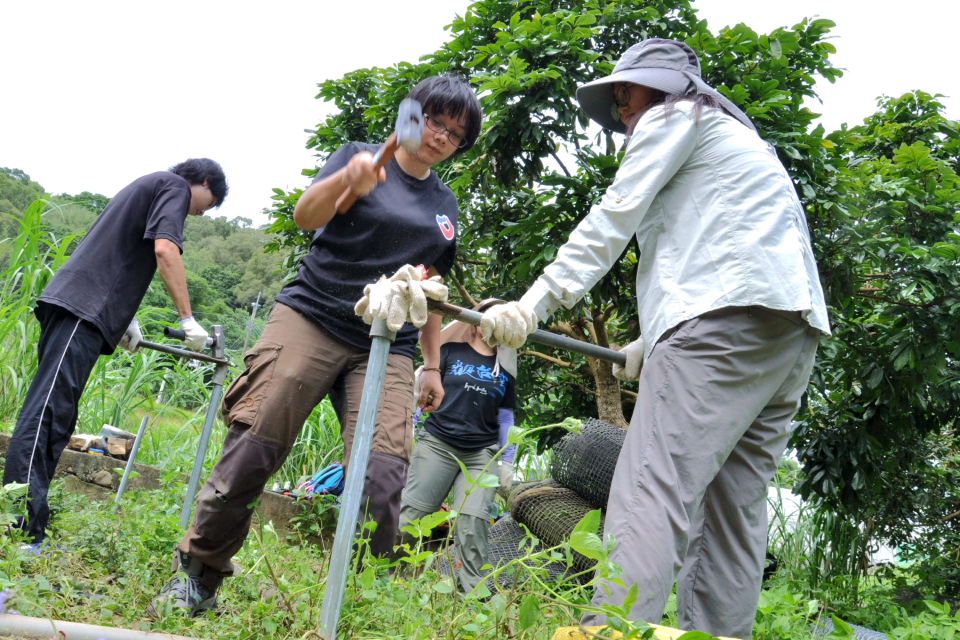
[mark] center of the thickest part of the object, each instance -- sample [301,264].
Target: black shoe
[185,590]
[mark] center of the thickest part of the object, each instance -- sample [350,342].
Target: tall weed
[31,258]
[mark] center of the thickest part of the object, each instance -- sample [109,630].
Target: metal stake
[354,481]
[129,467]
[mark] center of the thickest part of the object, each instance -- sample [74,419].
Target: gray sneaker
[185,590]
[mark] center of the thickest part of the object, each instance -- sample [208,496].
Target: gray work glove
[196,337]
[132,337]
[634,353]
[508,324]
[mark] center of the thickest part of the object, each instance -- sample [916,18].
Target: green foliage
[877,440]
[17,191]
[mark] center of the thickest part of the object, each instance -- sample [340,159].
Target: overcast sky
[99,93]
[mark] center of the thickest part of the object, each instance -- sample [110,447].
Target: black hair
[196,170]
[454,97]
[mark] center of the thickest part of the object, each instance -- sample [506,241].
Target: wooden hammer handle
[380,160]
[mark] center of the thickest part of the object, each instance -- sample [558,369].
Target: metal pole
[253,317]
[539,336]
[129,467]
[218,377]
[354,481]
[183,353]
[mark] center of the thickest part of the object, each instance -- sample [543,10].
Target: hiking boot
[185,591]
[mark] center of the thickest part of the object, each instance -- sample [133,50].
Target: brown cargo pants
[288,372]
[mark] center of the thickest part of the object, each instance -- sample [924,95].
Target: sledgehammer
[407,135]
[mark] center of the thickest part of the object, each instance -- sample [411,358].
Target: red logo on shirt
[445,227]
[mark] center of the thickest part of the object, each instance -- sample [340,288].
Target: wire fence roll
[551,511]
[585,461]
[508,541]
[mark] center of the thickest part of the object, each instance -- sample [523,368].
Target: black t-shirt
[467,417]
[106,277]
[402,221]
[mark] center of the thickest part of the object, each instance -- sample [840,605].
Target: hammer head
[410,125]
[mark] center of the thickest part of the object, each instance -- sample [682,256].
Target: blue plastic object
[326,482]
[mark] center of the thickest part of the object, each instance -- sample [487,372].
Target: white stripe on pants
[712,419]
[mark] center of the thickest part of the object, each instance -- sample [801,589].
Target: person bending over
[88,309]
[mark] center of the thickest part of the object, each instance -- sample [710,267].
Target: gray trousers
[433,472]
[688,498]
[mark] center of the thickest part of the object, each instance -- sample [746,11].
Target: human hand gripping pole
[630,372]
[131,337]
[401,298]
[508,324]
[194,336]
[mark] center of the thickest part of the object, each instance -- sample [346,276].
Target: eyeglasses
[621,98]
[435,125]
[621,95]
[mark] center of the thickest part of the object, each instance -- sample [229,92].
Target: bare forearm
[318,204]
[174,276]
[430,341]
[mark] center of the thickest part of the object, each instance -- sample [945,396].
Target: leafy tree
[94,202]
[886,216]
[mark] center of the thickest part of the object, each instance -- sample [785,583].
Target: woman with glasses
[315,345]
[730,308]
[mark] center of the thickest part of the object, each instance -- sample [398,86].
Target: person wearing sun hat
[730,308]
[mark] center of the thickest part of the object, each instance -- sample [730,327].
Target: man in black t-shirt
[314,344]
[88,309]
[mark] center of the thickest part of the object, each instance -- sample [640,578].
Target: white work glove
[132,337]
[508,324]
[634,353]
[506,478]
[401,298]
[196,337]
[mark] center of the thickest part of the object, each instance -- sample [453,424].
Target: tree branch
[560,163]
[464,294]
[932,303]
[543,356]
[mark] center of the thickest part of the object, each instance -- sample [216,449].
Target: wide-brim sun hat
[666,65]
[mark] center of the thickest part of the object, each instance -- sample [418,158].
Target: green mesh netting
[551,512]
[584,462]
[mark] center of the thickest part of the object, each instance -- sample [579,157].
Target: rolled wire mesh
[584,462]
[507,541]
[825,628]
[551,512]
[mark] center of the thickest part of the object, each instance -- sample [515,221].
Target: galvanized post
[219,376]
[354,481]
[129,467]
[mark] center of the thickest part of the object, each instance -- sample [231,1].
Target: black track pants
[68,350]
